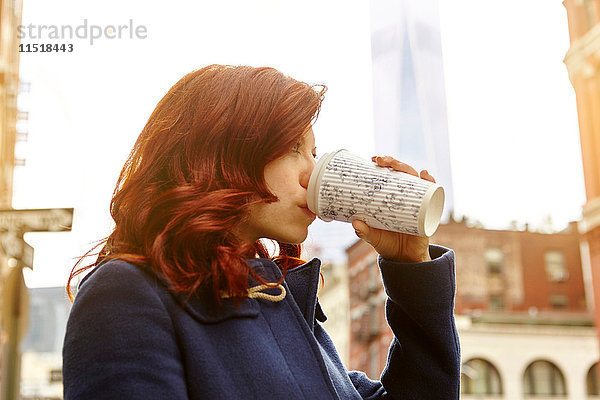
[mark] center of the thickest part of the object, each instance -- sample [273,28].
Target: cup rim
[431,210]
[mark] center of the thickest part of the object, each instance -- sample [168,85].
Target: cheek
[280,186]
[278,176]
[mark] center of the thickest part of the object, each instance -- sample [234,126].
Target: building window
[374,320]
[56,375]
[374,282]
[592,381]
[556,269]
[354,289]
[496,302]
[480,377]
[494,258]
[374,370]
[559,301]
[368,327]
[542,378]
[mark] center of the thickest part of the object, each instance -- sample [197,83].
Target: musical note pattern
[354,188]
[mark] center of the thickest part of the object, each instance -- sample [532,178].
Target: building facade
[528,357]
[333,297]
[515,271]
[583,63]
[10,18]
[41,376]
[522,315]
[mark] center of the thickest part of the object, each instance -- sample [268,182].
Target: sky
[511,109]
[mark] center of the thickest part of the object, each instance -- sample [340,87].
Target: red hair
[194,170]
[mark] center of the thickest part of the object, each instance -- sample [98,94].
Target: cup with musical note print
[344,187]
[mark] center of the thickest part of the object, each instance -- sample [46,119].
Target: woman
[185,302]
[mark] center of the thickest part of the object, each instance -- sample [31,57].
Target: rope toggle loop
[255,292]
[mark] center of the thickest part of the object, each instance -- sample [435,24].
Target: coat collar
[301,284]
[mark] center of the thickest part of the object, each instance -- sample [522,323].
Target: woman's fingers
[425,175]
[394,246]
[370,235]
[396,165]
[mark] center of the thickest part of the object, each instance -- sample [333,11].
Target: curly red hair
[196,167]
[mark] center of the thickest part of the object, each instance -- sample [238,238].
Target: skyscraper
[409,99]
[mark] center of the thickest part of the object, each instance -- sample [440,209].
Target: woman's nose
[306,172]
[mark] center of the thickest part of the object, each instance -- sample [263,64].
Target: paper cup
[344,187]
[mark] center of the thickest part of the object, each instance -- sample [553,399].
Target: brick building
[583,63]
[515,271]
[521,311]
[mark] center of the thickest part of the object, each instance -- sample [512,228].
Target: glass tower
[409,99]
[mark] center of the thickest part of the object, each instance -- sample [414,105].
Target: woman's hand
[395,246]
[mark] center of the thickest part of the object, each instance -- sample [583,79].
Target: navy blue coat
[130,337]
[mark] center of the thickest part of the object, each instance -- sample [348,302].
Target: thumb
[361,229]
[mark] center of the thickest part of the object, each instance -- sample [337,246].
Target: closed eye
[296,149]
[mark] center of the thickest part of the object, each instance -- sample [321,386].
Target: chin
[294,239]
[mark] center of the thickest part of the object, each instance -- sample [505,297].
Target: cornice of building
[571,229]
[583,57]
[591,215]
[522,320]
[533,330]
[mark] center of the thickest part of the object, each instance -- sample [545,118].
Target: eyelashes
[296,149]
